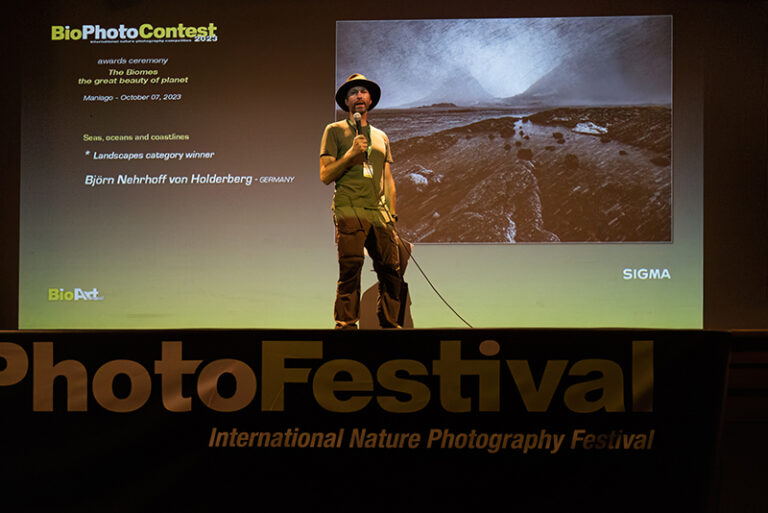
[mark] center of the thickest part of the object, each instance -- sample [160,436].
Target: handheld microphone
[359,129]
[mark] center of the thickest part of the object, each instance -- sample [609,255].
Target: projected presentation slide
[170,168]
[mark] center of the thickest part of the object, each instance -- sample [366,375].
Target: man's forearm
[389,189]
[392,206]
[332,169]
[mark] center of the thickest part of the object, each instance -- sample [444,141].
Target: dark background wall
[735,165]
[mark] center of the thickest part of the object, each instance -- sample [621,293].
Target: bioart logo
[146,31]
[77,294]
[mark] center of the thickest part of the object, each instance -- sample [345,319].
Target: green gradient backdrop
[202,256]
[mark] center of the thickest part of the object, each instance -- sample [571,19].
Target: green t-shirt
[353,188]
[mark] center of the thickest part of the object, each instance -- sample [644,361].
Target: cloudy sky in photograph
[478,60]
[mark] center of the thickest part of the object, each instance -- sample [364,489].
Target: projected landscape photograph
[523,130]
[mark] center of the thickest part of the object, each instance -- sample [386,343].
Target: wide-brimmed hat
[354,80]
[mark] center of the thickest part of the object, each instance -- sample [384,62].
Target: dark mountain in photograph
[459,88]
[630,66]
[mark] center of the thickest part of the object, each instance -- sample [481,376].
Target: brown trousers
[366,230]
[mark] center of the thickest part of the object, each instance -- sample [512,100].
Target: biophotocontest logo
[76,294]
[145,32]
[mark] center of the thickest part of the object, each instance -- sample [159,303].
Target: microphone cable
[382,201]
[406,245]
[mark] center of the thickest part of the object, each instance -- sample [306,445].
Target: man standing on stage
[356,156]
